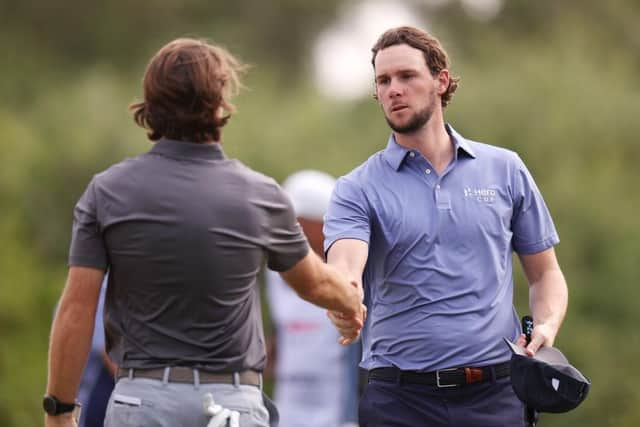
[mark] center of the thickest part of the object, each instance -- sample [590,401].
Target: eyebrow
[400,71]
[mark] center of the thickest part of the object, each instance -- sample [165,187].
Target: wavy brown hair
[188,87]
[434,54]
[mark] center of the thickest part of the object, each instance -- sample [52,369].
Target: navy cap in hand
[546,382]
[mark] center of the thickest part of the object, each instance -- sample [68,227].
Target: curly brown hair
[434,54]
[188,85]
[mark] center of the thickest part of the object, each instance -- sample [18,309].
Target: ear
[442,81]
[375,92]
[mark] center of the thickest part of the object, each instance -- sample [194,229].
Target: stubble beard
[416,122]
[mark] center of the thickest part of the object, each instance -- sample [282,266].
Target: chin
[399,126]
[398,123]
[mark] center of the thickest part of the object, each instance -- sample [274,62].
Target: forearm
[333,291]
[72,330]
[548,299]
[349,257]
[70,343]
[322,285]
[347,270]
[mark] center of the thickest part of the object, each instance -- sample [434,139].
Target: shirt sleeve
[532,226]
[286,243]
[348,215]
[87,242]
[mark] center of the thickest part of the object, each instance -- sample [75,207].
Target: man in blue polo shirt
[428,225]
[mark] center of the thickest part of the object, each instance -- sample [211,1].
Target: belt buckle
[440,385]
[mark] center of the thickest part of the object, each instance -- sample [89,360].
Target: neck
[432,141]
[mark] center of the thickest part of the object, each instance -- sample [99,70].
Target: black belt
[184,374]
[453,377]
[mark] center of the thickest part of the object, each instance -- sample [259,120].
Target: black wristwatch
[53,406]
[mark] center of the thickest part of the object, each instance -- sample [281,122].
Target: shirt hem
[289,264]
[532,248]
[85,262]
[346,236]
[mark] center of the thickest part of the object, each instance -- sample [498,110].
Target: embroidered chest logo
[482,195]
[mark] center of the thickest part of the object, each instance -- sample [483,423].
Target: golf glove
[220,417]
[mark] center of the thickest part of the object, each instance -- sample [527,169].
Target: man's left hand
[542,336]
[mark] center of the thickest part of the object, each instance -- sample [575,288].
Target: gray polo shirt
[184,232]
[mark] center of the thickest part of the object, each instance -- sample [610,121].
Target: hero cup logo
[483,195]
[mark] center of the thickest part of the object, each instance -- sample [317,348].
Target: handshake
[349,326]
[220,416]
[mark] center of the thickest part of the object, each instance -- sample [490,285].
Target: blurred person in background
[97,379]
[183,231]
[316,379]
[429,225]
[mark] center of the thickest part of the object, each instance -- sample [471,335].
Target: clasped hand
[348,326]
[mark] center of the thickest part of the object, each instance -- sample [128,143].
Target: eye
[382,80]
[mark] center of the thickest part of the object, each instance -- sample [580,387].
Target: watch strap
[53,406]
[62,407]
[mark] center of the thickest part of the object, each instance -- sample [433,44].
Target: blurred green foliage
[556,81]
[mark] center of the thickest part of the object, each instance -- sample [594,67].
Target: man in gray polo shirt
[183,231]
[429,225]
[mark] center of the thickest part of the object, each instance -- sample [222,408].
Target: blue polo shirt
[438,280]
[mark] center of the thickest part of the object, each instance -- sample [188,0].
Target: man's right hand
[348,326]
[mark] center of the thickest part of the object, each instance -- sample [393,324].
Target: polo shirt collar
[190,150]
[459,141]
[395,153]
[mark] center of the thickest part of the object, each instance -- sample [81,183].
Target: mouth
[398,107]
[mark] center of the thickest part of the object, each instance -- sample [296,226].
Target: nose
[395,89]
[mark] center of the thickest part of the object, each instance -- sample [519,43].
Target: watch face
[49,405]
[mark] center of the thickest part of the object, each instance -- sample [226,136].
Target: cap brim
[550,355]
[514,348]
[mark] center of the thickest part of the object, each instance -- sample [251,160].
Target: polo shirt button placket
[438,195]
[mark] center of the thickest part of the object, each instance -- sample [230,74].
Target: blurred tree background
[559,82]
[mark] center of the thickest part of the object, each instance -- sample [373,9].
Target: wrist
[56,407]
[66,415]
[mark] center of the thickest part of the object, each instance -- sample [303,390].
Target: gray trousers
[142,402]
